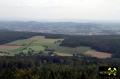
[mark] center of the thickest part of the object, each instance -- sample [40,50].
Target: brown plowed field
[9,46]
[97,54]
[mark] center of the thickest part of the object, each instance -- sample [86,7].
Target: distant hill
[70,28]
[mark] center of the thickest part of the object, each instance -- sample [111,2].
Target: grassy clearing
[34,48]
[52,44]
[20,42]
[38,43]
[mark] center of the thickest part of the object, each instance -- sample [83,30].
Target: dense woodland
[7,36]
[35,67]
[104,43]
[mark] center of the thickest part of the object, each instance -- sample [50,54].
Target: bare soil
[97,54]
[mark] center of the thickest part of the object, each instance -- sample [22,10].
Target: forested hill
[71,28]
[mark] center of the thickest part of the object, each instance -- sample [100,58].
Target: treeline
[36,67]
[33,68]
[8,36]
[104,43]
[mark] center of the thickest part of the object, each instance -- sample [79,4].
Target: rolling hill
[71,28]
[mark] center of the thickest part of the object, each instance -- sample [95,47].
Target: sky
[60,10]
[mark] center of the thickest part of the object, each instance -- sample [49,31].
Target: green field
[39,43]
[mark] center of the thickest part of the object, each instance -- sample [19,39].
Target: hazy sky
[60,9]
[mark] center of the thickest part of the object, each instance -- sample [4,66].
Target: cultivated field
[38,44]
[97,54]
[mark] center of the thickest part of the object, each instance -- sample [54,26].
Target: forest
[31,67]
[104,43]
[7,36]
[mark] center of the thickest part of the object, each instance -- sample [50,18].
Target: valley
[39,44]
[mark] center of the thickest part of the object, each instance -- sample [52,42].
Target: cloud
[61,9]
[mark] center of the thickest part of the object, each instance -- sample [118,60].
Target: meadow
[39,44]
